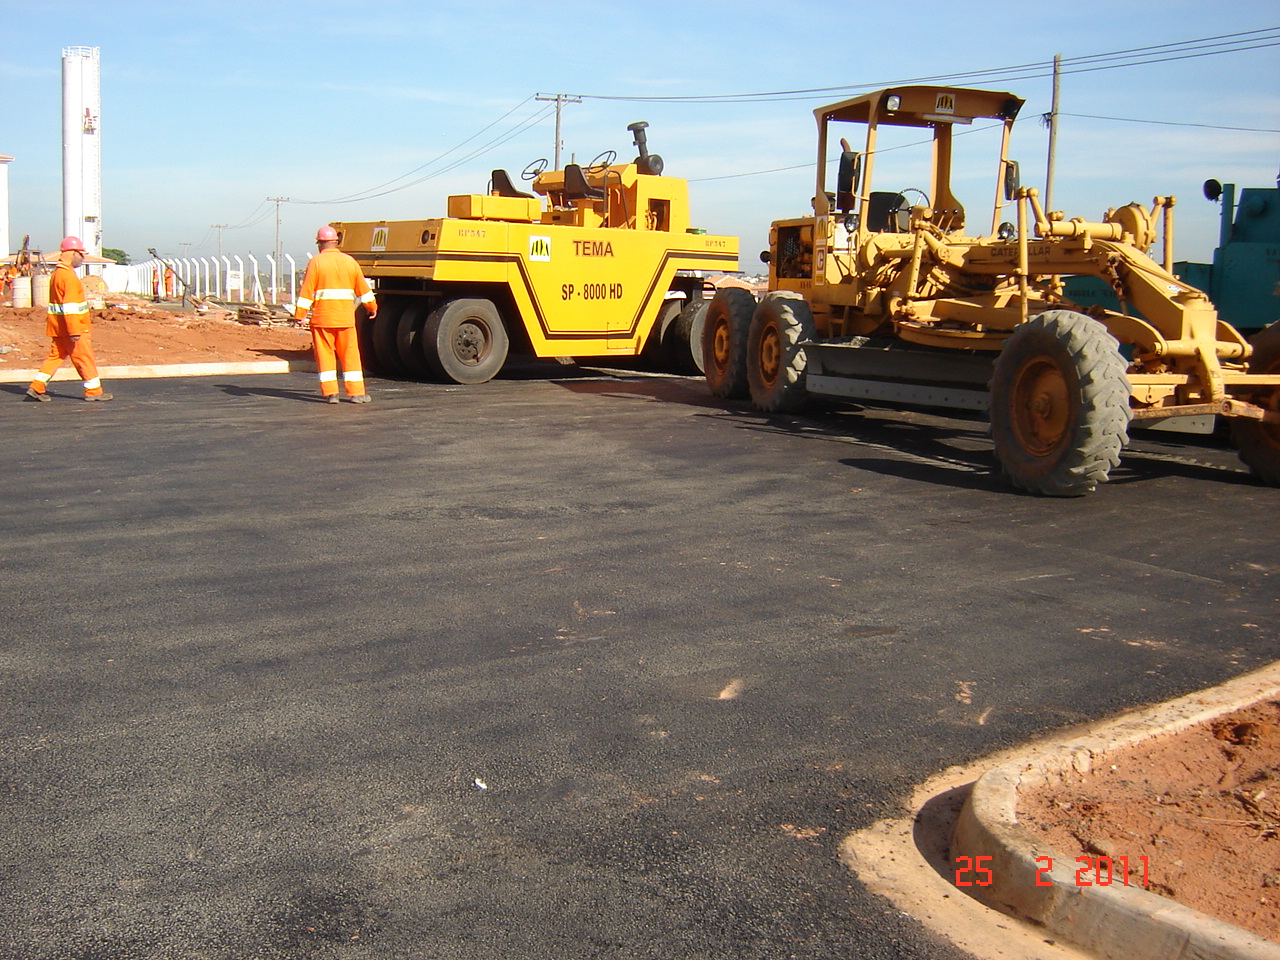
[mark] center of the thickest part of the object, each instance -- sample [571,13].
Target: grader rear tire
[776,364]
[1059,405]
[464,341]
[724,342]
[1258,443]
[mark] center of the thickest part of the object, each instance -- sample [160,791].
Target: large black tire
[1059,405]
[1258,443]
[364,337]
[384,328]
[682,342]
[654,350]
[409,337]
[464,341]
[776,364]
[724,342]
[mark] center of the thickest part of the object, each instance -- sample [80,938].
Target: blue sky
[210,108]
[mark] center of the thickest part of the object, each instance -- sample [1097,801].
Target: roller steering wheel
[603,159]
[533,170]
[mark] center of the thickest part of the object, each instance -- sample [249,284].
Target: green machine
[1244,279]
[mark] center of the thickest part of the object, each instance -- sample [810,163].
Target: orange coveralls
[331,288]
[68,325]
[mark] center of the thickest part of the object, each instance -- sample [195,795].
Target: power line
[254,218]
[1133,56]
[379,191]
[1172,123]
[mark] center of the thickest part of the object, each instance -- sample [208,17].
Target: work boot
[362,398]
[331,398]
[100,397]
[32,395]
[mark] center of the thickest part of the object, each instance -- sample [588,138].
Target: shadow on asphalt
[954,450]
[238,390]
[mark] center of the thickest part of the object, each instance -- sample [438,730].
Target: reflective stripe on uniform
[353,376]
[65,308]
[328,376]
[367,298]
[303,303]
[94,384]
[44,377]
[335,294]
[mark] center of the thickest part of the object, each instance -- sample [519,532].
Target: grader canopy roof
[923,107]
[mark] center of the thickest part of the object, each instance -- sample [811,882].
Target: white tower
[5,249]
[82,147]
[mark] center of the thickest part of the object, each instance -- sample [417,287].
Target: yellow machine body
[871,274]
[588,269]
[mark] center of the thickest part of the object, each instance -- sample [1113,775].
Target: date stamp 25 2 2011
[1090,872]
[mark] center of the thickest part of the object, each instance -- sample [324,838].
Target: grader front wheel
[1258,443]
[1059,405]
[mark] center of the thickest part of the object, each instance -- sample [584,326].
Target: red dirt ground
[130,330]
[1203,808]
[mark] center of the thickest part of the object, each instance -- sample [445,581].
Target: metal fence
[259,280]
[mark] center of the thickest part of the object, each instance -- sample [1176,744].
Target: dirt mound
[130,330]
[1194,817]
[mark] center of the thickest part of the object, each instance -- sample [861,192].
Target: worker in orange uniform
[168,281]
[68,325]
[331,288]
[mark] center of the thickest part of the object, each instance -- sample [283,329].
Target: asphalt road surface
[568,665]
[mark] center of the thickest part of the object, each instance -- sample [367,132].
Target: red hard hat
[72,243]
[326,233]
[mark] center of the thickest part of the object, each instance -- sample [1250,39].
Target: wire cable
[379,191]
[1171,123]
[1134,56]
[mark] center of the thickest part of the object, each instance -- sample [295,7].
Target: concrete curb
[143,372]
[1113,922]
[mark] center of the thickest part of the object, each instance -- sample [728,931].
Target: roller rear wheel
[364,337]
[409,339]
[464,341]
[682,342]
[384,328]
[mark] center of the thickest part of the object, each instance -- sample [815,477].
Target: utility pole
[277,201]
[219,227]
[560,99]
[1053,131]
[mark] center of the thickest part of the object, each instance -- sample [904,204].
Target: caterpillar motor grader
[599,261]
[875,296]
